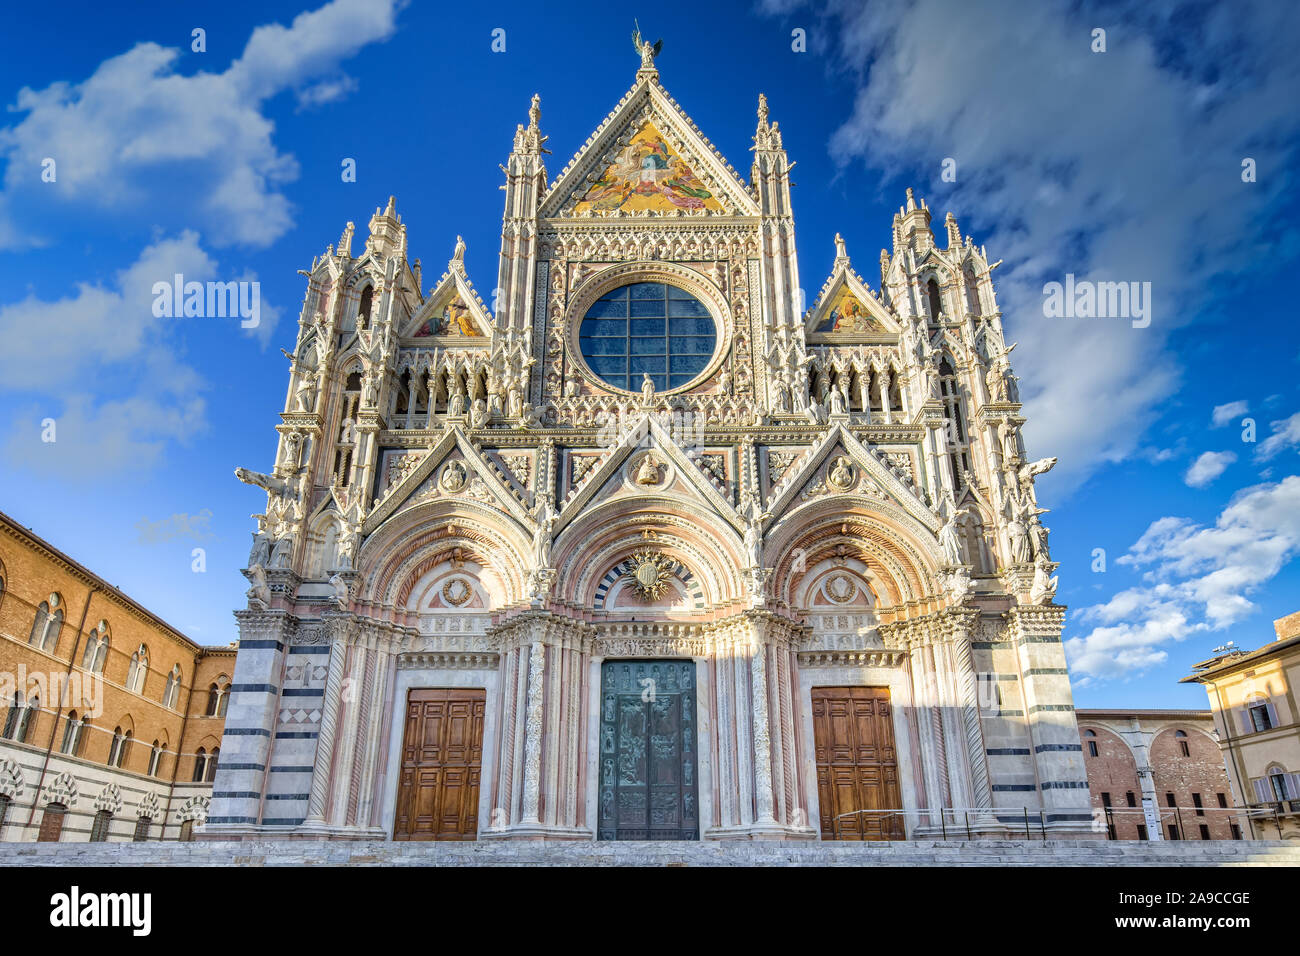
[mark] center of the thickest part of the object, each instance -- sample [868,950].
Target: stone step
[711,853]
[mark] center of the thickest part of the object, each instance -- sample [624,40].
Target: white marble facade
[830,496]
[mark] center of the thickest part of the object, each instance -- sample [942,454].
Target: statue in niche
[478,413]
[546,518]
[306,392]
[949,539]
[1019,539]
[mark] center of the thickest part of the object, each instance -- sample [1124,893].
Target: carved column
[762,735]
[533,733]
[320,775]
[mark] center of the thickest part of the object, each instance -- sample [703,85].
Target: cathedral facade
[651,548]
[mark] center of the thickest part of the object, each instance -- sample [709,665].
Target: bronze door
[648,787]
[857,768]
[442,752]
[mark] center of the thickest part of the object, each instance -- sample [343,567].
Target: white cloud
[186,150]
[56,346]
[104,368]
[1224,414]
[326,92]
[1195,579]
[1207,467]
[1285,434]
[1109,166]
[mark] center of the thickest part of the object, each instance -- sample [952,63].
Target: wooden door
[857,768]
[442,753]
[648,787]
[51,824]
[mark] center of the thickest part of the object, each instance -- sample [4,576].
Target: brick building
[1257,719]
[111,718]
[1158,774]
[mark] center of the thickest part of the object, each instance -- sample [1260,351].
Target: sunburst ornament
[650,573]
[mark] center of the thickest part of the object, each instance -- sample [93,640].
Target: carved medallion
[453,477]
[456,592]
[841,475]
[650,573]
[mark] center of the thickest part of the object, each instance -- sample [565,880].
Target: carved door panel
[442,752]
[857,768]
[648,787]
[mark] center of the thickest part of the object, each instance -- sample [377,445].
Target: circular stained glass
[647,328]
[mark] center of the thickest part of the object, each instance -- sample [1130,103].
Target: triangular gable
[453,439]
[453,311]
[632,441]
[647,175]
[647,157]
[846,309]
[785,495]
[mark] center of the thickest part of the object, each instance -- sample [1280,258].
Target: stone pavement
[712,853]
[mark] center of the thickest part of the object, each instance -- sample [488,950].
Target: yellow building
[1253,698]
[110,719]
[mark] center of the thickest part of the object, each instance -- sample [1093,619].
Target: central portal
[648,785]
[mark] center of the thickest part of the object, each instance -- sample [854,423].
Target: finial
[762,109]
[911,199]
[457,262]
[646,49]
[535,111]
[392,207]
[841,249]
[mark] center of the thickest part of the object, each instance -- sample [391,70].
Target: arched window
[934,299]
[118,750]
[27,720]
[213,759]
[12,715]
[47,624]
[172,691]
[72,735]
[187,831]
[1181,737]
[137,669]
[155,758]
[347,428]
[218,697]
[957,439]
[52,823]
[4,812]
[363,310]
[972,292]
[96,653]
[1091,736]
[142,826]
[2,598]
[200,765]
[99,829]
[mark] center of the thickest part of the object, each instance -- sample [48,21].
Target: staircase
[711,853]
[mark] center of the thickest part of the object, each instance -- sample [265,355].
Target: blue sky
[225,164]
